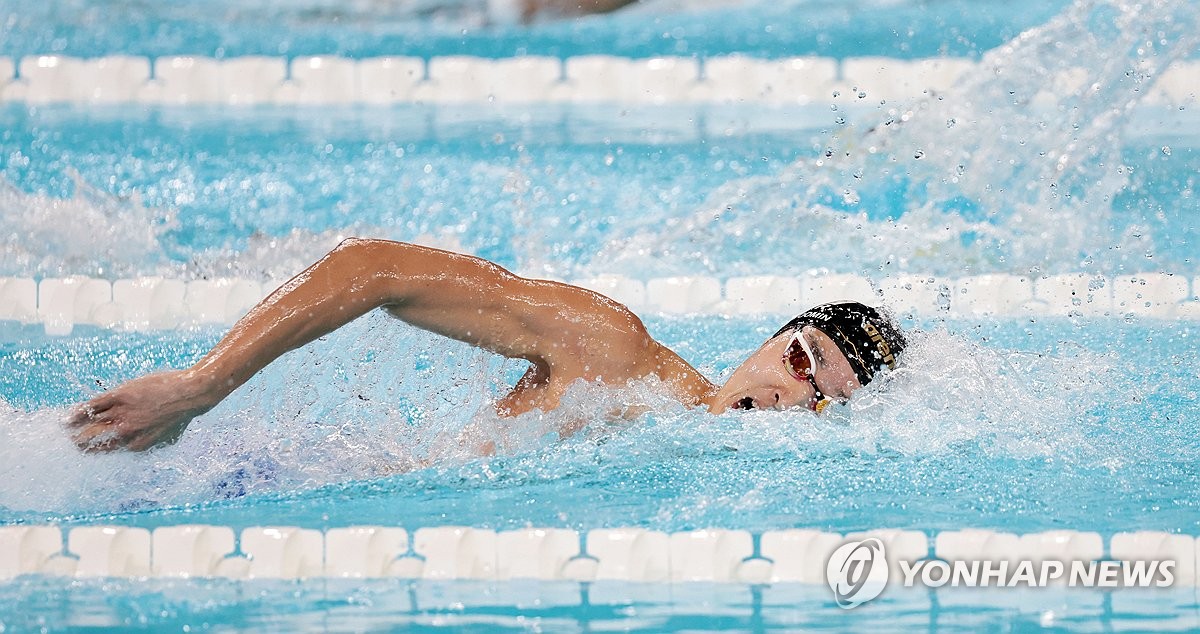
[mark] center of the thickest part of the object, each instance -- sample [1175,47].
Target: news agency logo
[857,572]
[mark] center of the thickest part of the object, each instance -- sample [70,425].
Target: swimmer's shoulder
[589,314]
[685,381]
[601,338]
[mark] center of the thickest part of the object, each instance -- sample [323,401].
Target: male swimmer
[566,333]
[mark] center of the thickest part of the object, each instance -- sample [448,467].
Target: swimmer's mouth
[745,403]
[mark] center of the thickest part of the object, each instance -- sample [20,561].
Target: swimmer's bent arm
[455,295]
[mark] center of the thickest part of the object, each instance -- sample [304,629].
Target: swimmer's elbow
[358,247]
[359,266]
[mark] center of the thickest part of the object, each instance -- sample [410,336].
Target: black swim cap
[869,339]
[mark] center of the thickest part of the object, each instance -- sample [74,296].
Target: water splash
[957,406]
[91,233]
[97,234]
[377,399]
[363,413]
[948,394]
[372,399]
[1014,169]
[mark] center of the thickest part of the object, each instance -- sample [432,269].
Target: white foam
[389,399]
[89,234]
[949,391]
[991,180]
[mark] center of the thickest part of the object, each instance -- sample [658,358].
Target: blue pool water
[373,605]
[1015,424]
[560,192]
[228,28]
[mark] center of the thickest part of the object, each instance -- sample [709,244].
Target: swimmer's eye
[798,359]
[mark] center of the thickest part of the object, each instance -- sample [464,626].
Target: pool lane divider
[329,80]
[619,554]
[156,303]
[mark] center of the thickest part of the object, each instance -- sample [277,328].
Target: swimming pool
[1020,409]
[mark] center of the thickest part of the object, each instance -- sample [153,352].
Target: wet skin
[763,381]
[565,332]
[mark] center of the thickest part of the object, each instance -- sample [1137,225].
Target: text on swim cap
[882,347]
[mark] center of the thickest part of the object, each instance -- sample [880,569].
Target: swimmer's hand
[143,413]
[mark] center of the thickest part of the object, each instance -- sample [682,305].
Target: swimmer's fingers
[84,417]
[91,411]
[109,433]
[106,431]
[80,416]
[99,436]
[104,401]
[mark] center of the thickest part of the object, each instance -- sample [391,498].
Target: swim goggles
[798,359]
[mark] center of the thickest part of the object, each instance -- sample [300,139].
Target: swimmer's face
[764,380]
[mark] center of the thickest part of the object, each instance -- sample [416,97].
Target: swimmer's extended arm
[455,295]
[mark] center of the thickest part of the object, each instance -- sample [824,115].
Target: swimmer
[566,333]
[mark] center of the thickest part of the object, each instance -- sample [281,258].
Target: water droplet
[1166,150]
[943,298]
